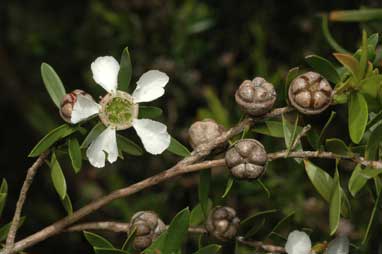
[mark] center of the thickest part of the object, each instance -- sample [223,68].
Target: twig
[260,245]
[300,135]
[20,202]
[117,227]
[325,155]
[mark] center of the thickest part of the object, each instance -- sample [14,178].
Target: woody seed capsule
[310,93]
[256,97]
[222,223]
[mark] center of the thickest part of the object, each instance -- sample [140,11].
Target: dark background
[207,48]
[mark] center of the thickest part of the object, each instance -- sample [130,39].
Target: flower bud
[246,159]
[202,132]
[148,226]
[222,223]
[310,93]
[256,97]
[68,102]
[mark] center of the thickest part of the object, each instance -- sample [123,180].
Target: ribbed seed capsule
[256,97]
[203,132]
[222,223]
[148,226]
[246,159]
[310,93]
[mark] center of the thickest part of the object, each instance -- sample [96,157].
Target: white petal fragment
[339,245]
[298,243]
[153,135]
[105,72]
[84,108]
[150,86]
[104,145]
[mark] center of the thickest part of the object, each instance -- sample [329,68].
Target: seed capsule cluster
[148,227]
[310,93]
[222,223]
[246,159]
[256,97]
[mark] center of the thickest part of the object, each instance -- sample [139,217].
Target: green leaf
[57,177]
[350,63]
[197,216]
[273,128]
[376,119]
[93,133]
[3,195]
[125,71]
[177,232]
[5,229]
[97,241]
[149,112]
[67,204]
[373,143]
[75,154]
[321,180]
[204,189]
[331,117]
[372,41]
[362,15]
[219,111]
[52,137]
[209,249]
[158,245]
[324,67]
[372,217]
[326,32]
[356,181]
[264,187]
[228,187]
[279,224]
[364,55]
[177,148]
[127,245]
[249,224]
[335,205]
[53,84]
[371,86]
[109,251]
[357,116]
[337,146]
[128,146]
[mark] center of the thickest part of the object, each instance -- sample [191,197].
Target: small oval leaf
[49,139]
[128,146]
[149,112]
[125,71]
[357,116]
[57,177]
[177,148]
[53,84]
[75,154]
[97,241]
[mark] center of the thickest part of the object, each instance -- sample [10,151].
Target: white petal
[339,245]
[153,134]
[84,108]
[150,86]
[105,143]
[105,72]
[298,243]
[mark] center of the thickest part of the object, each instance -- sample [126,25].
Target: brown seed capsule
[202,132]
[148,226]
[256,97]
[222,223]
[246,159]
[310,93]
[68,102]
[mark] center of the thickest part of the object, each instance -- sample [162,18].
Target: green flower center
[118,110]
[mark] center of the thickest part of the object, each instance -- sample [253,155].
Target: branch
[117,227]
[325,155]
[260,245]
[20,202]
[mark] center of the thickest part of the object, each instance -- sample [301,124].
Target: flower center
[118,110]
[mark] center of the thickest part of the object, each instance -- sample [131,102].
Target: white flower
[298,243]
[118,110]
